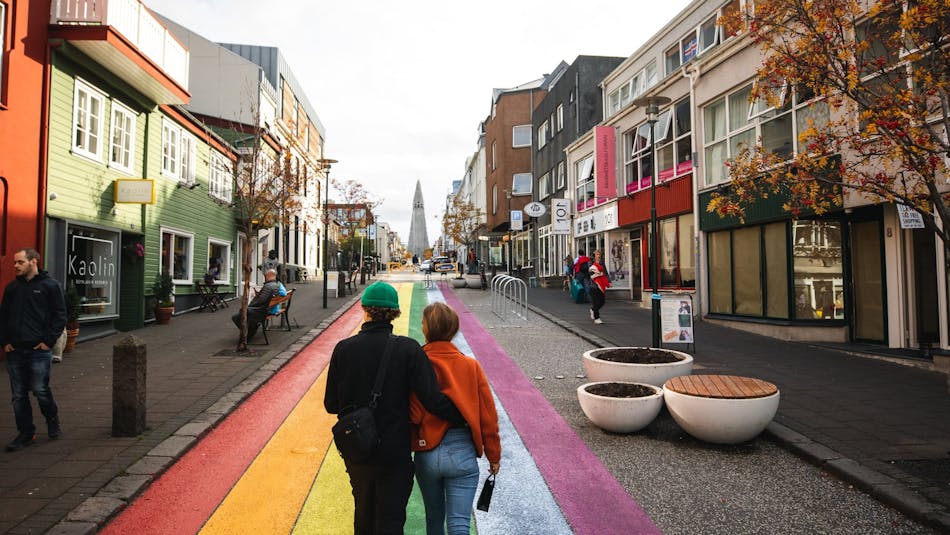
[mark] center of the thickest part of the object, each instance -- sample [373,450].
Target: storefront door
[925,287]
[868,321]
[636,266]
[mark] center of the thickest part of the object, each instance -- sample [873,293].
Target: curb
[94,512]
[880,486]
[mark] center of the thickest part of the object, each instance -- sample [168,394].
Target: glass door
[869,321]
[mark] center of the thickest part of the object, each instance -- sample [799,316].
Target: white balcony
[124,37]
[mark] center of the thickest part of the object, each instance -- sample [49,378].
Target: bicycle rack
[509,293]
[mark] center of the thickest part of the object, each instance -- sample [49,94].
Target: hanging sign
[517,223]
[534,209]
[909,217]
[561,216]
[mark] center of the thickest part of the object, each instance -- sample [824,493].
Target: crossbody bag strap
[381,373]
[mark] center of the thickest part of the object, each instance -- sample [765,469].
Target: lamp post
[652,106]
[325,164]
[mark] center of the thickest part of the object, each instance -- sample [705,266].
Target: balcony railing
[133,21]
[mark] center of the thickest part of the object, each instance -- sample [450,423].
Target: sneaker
[592,314]
[53,428]
[598,321]
[21,441]
[57,359]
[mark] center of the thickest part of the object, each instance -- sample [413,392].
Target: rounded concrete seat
[722,409]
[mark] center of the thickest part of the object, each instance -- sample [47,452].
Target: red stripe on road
[185,496]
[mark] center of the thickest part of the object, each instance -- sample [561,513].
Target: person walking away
[599,282]
[445,459]
[382,484]
[259,307]
[32,317]
[582,277]
[568,272]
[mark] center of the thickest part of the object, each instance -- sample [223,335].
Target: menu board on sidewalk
[676,319]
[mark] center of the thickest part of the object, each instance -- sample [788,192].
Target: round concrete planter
[651,374]
[458,283]
[620,415]
[721,421]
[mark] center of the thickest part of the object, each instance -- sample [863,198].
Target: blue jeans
[29,370]
[448,478]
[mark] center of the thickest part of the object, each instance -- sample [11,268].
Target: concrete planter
[458,283]
[652,374]
[620,414]
[721,420]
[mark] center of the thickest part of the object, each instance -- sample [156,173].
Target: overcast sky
[401,86]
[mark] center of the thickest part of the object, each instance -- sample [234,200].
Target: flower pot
[163,315]
[71,335]
[620,414]
[599,369]
[458,283]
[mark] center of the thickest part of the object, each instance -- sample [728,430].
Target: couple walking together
[435,401]
[592,274]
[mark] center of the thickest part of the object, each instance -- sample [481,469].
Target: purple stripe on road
[590,497]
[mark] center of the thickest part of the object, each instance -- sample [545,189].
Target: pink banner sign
[605,157]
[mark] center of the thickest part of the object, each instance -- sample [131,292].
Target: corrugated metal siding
[674,198]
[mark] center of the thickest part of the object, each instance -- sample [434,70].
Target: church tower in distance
[418,237]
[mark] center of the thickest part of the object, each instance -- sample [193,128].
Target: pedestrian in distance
[581,278]
[568,272]
[599,282]
[445,459]
[381,484]
[259,307]
[32,317]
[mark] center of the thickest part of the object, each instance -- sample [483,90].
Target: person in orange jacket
[445,459]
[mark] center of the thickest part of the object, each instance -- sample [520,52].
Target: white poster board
[676,319]
[909,217]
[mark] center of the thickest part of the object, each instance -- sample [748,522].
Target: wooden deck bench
[284,301]
[723,409]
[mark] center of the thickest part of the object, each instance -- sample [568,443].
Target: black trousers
[380,494]
[254,320]
[597,299]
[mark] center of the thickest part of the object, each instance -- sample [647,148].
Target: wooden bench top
[721,386]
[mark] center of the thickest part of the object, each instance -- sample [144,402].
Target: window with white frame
[219,177]
[543,134]
[521,136]
[494,199]
[176,255]
[521,184]
[672,58]
[559,114]
[544,186]
[219,260]
[122,151]
[622,96]
[584,171]
[637,158]
[674,142]
[709,34]
[689,48]
[561,175]
[178,153]
[493,147]
[88,111]
[734,122]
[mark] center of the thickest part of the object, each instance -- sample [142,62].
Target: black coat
[32,311]
[352,373]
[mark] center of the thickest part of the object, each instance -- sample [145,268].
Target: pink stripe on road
[592,500]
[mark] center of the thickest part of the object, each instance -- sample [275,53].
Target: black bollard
[128,387]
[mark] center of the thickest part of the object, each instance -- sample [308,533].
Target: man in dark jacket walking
[32,316]
[382,485]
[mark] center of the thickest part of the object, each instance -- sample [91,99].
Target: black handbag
[484,499]
[355,431]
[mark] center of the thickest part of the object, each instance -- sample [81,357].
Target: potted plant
[620,407]
[648,365]
[73,307]
[162,288]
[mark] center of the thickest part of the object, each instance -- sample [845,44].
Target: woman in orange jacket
[445,459]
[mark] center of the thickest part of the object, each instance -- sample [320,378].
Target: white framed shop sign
[599,220]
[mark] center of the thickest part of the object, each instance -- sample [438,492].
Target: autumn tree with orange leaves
[879,74]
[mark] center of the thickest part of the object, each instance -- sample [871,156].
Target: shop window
[176,255]
[720,272]
[818,272]
[92,266]
[677,269]
[747,271]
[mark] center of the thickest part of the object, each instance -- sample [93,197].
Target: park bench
[351,281]
[284,302]
[723,409]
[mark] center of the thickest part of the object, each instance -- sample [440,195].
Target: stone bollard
[128,387]
[341,284]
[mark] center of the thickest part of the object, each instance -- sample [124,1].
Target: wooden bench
[722,409]
[284,302]
[351,281]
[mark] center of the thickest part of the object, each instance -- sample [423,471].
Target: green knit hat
[380,294]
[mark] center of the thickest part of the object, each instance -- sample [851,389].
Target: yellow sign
[135,191]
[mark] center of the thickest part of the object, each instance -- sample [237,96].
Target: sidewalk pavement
[189,388]
[881,423]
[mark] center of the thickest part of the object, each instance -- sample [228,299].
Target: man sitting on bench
[258,308]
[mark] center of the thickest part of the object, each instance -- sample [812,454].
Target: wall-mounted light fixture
[53,196]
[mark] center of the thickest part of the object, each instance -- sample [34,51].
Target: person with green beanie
[382,484]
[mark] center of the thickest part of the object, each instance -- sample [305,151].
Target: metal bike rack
[509,293]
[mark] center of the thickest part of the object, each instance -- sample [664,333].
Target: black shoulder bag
[355,432]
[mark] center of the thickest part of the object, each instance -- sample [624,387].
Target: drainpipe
[42,176]
[693,73]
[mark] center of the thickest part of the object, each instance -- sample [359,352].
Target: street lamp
[325,164]
[652,106]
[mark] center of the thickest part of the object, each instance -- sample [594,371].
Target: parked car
[425,266]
